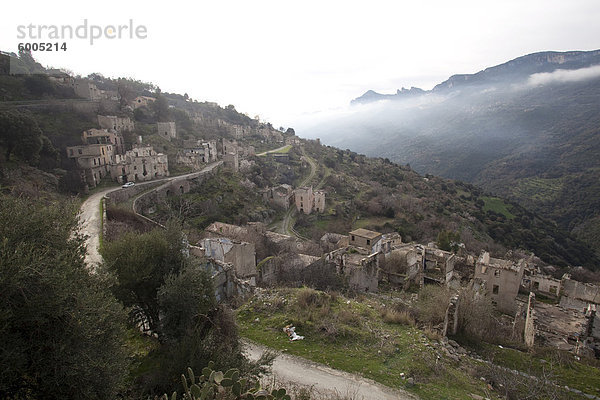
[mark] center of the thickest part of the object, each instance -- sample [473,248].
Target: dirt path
[274,150]
[287,224]
[297,370]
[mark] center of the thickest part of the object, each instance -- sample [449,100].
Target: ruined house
[308,200]
[292,270]
[578,295]
[365,239]
[232,146]
[241,255]
[501,278]
[166,130]
[93,161]
[358,266]
[197,152]
[231,161]
[280,196]
[141,163]
[141,101]
[104,136]
[537,282]
[119,124]
[86,89]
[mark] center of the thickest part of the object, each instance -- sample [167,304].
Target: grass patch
[538,189]
[564,369]
[101,234]
[497,205]
[283,150]
[352,336]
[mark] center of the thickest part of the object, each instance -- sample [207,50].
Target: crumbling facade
[104,136]
[501,278]
[197,152]
[280,196]
[358,266]
[241,255]
[139,164]
[119,124]
[141,101]
[93,160]
[365,239]
[88,90]
[308,200]
[231,161]
[166,130]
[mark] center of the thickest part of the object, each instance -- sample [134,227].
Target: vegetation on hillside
[63,333]
[388,339]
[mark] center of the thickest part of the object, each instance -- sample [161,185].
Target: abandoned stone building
[93,161]
[231,161]
[141,163]
[578,295]
[358,266]
[229,146]
[308,200]
[232,146]
[119,124]
[292,140]
[104,136]
[197,152]
[280,196]
[364,238]
[141,101]
[88,90]
[535,281]
[166,130]
[241,255]
[501,279]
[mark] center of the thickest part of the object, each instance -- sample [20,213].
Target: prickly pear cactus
[216,384]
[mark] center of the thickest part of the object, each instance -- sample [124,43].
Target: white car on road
[128,184]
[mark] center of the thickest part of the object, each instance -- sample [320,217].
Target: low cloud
[564,75]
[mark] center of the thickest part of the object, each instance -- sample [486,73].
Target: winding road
[325,380]
[90,220]
[90,224]
[286,368]
[287,224]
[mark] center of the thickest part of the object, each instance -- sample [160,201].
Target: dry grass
[348,317]
[308,299]
[397,317]
[432,334]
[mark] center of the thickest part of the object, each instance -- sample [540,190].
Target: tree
[448,241]
[141,263]
[62,330]
[20,135]
[186,301]
[161,109]
[432,304]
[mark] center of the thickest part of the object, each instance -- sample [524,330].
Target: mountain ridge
[526,130]
[539,62]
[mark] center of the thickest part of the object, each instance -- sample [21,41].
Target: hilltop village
[363,258]
[332,239]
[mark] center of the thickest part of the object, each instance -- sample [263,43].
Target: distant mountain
[528,129]
[403,93]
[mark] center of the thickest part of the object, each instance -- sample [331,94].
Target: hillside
[526,130]
[362,192]
[158,301]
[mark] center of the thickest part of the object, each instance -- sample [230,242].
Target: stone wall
[529,332]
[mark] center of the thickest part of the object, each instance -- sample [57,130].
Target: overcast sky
[284,60]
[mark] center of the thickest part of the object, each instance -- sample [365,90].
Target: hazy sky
[285,60]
